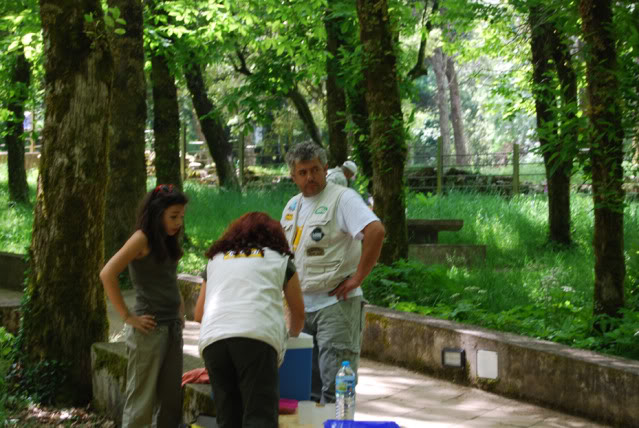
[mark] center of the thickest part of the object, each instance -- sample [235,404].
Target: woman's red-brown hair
[252,230]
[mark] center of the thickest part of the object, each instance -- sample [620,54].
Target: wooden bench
[426,231]
[423,240]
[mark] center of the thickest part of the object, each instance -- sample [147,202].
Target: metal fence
[504,172]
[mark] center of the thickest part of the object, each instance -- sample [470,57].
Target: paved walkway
[412,400]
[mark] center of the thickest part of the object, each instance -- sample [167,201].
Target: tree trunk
[20,78]
[439,66]
[335,94]
[217,138]
[387,138]
[166,122]
[606,154]
[65,310]
[556,163]
[457,116]
[305,114]
[358,112]
[127,173]
[560,220]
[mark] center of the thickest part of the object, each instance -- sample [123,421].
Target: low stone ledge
[190,290]
[12,267]
[584,383]
[10,310]
[109,367]
[448,254]
[197,401]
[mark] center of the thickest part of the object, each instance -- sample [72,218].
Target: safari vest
[324,255]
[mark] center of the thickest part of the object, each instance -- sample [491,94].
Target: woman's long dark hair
[149,221]
[252,230]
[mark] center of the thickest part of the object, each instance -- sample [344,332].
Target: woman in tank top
[154,326]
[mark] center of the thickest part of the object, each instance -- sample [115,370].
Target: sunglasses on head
[165,188]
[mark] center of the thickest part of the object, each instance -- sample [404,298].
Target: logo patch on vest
[317,234]
[293,206]
[321,210]
[288,217]
[314,251]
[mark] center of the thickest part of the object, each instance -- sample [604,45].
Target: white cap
[350,165]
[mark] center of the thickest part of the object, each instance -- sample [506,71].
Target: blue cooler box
[295,371]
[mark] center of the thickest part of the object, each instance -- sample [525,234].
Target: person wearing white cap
[342,175]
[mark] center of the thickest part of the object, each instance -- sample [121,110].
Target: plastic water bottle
[345,392]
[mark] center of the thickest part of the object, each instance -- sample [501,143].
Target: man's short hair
[305,151]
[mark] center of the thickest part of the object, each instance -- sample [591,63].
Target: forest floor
[40,416]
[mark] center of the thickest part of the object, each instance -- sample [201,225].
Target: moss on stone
[113,363]
[195,400]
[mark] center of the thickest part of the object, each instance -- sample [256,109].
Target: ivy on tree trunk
[606,155]
[387,139]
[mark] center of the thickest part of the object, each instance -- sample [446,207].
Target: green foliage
[40,382]
[6,349]
[409,281]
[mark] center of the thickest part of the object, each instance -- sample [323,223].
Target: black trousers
[245,381]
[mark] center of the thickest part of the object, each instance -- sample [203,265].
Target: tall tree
[559,169]
[127,166]
[166,115]
[606,155]
[335,93]
[20,78]
[558,149]
[387,138]
[438,61]
[217,137]
[456,113]
[65,311]
[166,121]
[358,112]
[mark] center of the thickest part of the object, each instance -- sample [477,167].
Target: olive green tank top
[156,289]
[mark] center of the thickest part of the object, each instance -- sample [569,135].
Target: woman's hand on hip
[144,323]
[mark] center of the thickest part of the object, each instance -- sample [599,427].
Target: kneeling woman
[243,333]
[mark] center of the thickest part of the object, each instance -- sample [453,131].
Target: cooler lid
[301,342]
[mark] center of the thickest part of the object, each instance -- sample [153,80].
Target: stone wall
[584,383]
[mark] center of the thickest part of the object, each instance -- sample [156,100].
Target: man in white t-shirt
[336,240]
[342,175]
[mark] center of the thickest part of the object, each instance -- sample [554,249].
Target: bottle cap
[346,363]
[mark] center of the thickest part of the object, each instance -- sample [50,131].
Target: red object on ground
[196,376]
[287,406]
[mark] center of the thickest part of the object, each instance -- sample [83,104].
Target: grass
[16,219]
[526,286]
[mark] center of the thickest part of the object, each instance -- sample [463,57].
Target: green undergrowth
[526,286]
